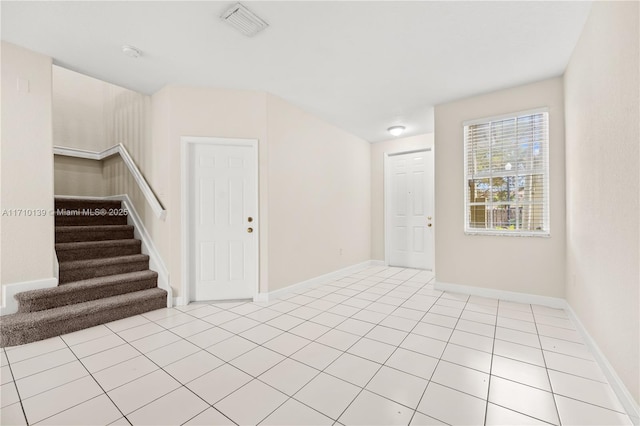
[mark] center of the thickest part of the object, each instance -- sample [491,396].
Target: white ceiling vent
[244,20]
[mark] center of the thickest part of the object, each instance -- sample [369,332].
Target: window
[507,174]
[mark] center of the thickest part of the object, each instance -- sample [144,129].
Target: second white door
[222,220]
[409,210]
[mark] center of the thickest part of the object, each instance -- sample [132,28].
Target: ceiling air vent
[244,20]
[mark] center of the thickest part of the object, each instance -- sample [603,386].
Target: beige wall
[78,110]
[298,240]
[26,165]
[603,184]
[188,111]
[127,120]
[332,188]
[532,265]
[78,177]
[319,196]
[95,115]
[378,150]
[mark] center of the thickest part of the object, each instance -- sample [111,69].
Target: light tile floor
[381,346]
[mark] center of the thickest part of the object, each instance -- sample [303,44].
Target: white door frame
[185,144]
[387,206]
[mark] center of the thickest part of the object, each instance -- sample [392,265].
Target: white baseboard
[322,279]
[621,391]
[511,296]
[276,294]
[262,297]
[618,386]
[148,247]
[56,264]
[10,305]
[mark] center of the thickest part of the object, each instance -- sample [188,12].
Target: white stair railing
[151,198]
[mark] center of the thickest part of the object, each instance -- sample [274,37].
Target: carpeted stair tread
[84,220]
[70,234]
[84,269]
[82,250]
[92,244]
[84,201]
[85,290]
[81,203]
[79,212]
[21,328]
[94,263]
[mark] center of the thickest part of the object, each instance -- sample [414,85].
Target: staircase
[103,276]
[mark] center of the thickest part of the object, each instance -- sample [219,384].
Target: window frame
[546,231]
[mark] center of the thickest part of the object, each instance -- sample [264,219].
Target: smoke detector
[244,20]
[132,52]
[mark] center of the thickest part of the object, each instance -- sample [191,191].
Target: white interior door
[222,220]
[409,209]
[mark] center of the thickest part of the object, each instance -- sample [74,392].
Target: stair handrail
[148,193]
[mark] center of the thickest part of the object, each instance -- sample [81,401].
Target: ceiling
[360,65]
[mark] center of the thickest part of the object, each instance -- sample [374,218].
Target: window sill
[542,234]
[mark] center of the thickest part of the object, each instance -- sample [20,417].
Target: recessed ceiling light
[132,52]
[396,130]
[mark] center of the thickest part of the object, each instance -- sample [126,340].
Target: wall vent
[244,20]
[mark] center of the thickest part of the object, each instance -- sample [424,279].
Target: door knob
[429,225]
[428,217]
[249,219]
[249,230]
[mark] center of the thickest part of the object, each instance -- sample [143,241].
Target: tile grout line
[105,392]
[98,383]
[493,348]
[64,384]
[363,388]
[408,373]
[210,407]
[351,296]
[331,328]
[546,370]
[526,385]
[285,357]
[319,371]
[437,364]
[531,386]
[42,371]
[225,362]
[160,368]
[360,291]
[307,320]
[417,289]
[15,385]
[343,351]
[165,394]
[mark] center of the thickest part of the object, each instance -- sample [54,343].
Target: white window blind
[507,175]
